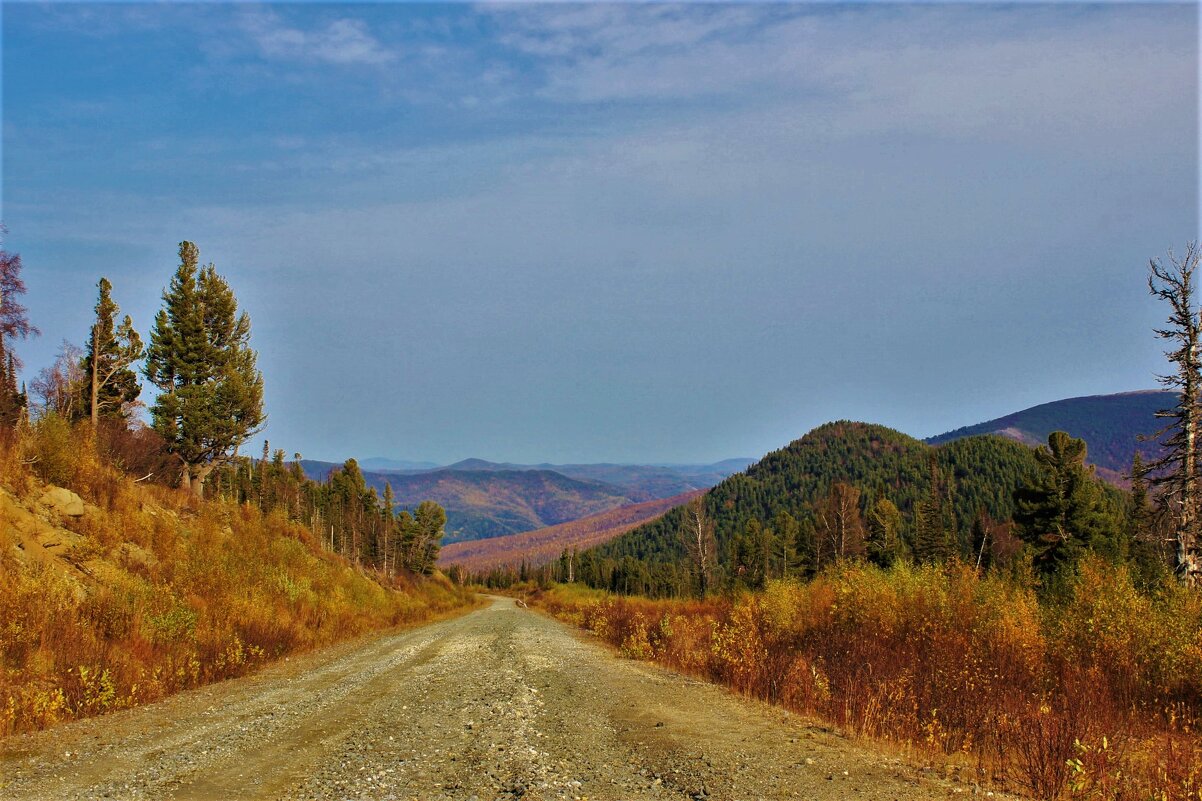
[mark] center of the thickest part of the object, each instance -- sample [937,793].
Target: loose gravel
[497,705]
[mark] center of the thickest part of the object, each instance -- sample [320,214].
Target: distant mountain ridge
[488,499]
[1111,426]
[382,464]
[538,547]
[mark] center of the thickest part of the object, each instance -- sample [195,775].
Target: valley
[489,499]
[543,545]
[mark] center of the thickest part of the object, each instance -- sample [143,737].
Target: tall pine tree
[211,393]
[111,351]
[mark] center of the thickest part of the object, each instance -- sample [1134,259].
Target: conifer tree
[1145,543]
[934,519]
[10,407]
[112,349]
[389,510]
[1059,515]
[788,534]
[211,394]
[1176,471]
[429,520]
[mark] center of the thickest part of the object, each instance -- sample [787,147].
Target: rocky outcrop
[63,501]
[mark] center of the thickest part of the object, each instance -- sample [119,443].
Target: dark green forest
[856,490]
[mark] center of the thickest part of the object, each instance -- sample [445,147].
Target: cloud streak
[345,41]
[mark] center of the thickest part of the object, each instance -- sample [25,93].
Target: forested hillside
[776,519]
[1111,426]
[493,503]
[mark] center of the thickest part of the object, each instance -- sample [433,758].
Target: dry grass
[1096,699]
[162,593]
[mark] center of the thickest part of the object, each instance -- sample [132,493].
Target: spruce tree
[429,519]
[934,518]
[390,525]
[1146,552]
[1059,514]
[211,394]
[112,349]
[788,532]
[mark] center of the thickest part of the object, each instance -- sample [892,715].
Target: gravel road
[499,704]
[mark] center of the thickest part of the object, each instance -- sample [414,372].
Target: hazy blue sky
[615,232]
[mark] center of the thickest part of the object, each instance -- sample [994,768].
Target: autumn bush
[161,592]
[1095,698]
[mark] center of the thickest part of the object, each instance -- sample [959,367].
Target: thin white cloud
[953,71]
[343,41]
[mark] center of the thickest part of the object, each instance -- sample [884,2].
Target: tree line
[208,405]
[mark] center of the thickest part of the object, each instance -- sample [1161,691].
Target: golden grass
[159,592]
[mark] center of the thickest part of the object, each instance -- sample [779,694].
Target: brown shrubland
[1097,697]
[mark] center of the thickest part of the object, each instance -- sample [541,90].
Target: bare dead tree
[840,527]
[1175,473]
[697,535]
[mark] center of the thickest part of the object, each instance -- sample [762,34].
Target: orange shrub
[1098,699]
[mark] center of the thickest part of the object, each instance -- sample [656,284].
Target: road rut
[497,705]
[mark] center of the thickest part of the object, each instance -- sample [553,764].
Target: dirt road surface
[500,704]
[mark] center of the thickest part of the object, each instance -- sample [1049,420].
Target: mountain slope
[641,482]
[488,499]
[483,504]
[879,461]
[1109,424]
[546,544]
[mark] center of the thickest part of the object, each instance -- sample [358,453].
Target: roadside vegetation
[1095,697]
[139,560]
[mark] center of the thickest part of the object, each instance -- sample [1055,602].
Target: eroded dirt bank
[501,703]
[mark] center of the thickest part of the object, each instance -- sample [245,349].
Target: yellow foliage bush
[162,593]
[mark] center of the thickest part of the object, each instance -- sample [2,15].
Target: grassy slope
[149,592]
[546,544]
